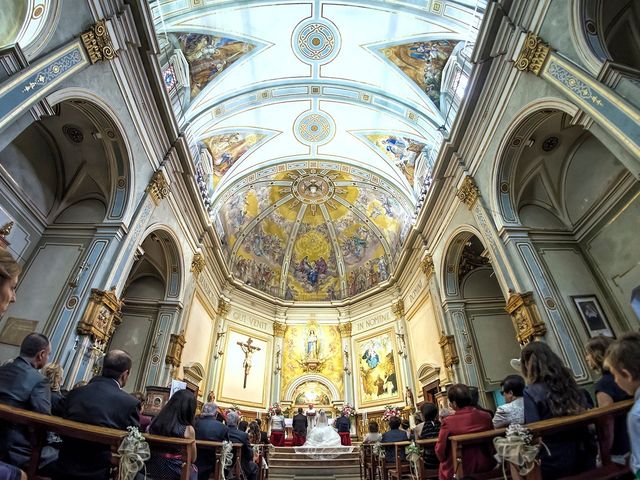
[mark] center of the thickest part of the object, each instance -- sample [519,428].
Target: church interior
[346,204]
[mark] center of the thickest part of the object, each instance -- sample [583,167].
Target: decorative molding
[223,307]
[525,316]
[174,353]
[533,54]
[345,329]
[398,309]
[102,315]
[427,266]
[279,329]
[468,192]
[158,187]
[198,263]
[449,350]
[97,42]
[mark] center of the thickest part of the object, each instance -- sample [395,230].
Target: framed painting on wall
[592,315]
[378,370]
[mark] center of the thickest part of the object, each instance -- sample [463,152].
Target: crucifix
[248,350]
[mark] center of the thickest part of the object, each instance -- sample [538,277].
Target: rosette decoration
[390,411]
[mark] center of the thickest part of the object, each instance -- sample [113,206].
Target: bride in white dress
[323,442]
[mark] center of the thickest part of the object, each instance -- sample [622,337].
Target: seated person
[208,427]
[243,426]
[513,410]
[374,435]
[430,429]
[100,402]
[9,472]
[23,386]
[249,467]
[145,420]
[475,400]
[393,435]
[466,419]
[53,372]
[405,426]
[552,392]
[264,437]
[174,420]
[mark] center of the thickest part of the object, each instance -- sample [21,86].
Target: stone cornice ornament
[345,329]
[533,54]
[427,266]
[97,42]
[198,263]
[398,309]
[158,187]
[449,350]
[525,317]
[468,192]
[279,329]
[223,307]
[174,353]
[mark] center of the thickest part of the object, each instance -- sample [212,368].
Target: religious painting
[314,393]
[423,62]
[378,372]
[592,315]
[207,56]
[363,277]
[400,150]
[224,150]
[312,348]
[245,373]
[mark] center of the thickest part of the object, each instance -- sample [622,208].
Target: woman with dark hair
[243,426]
[430,429]
[174,420]
[254,433]
[374,435]
[608,392]
[552,392]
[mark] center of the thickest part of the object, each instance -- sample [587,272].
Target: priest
[311,418]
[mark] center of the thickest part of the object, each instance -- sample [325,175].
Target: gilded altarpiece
[312,349]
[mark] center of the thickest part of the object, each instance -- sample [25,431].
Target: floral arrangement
[272,410]
[516,448]
[413,454]
[390,411]
[133,452]
[349,410]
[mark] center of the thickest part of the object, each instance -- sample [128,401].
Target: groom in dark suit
[299,428]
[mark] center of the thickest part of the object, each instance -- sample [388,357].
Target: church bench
[40,424]
[596,416]
[217,450]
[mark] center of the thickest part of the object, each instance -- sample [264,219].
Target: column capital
[158,187]
[223,307]
[468,192]
[198,263]
[427,266]
[97,42]
[345,329]
[533,54]
[398,309]
[279,329]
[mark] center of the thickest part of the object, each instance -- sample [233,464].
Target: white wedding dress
[323,442]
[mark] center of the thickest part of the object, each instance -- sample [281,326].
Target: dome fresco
[313,134]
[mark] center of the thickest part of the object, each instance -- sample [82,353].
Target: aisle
[286,464]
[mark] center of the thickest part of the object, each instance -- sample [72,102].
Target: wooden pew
[216,448]
[545,427]
[40,424]
[424,473]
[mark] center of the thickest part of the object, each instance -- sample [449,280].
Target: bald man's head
[116,365]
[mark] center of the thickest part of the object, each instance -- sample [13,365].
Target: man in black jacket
[101,402]
[23,386]
[249,467]
[209,428]
[299,428]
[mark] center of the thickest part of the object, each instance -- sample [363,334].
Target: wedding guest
[277,429]
[623,360]
[299,427]
[249,467]
[176,419]
[145,420]
[243,426]
[254,433]
[552,392]
[405,426]
[9,472]
[264,437]
[23,386]
[9,273]
[429,429]
[475,400]
[208,427]
[374,435]
[513,410]
[608,392]
[393,435]
[466,419]
[53,372]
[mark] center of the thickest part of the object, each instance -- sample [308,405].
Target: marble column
[279,329]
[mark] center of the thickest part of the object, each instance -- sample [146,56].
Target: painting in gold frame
[379,381]
[230,388]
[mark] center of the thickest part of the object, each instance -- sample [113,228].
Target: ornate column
[460,343]
[23,90]
[162,367]
[613,113]
[397,309]
[345,328]
[218,348]
[279,329]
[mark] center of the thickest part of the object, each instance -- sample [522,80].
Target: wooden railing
[39,424]
[597,416]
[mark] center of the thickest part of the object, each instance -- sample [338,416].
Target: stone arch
[502,197]
[116,143]
[30,24]
[450,264]
[288,395]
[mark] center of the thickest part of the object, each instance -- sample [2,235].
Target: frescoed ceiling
[313,126]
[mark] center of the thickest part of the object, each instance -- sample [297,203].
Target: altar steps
[285,464]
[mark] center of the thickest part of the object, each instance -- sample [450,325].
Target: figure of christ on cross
[248,350]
